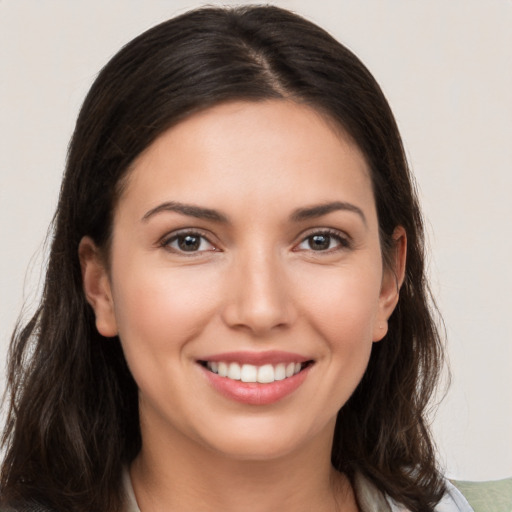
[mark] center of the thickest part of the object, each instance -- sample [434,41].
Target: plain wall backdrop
[446,68]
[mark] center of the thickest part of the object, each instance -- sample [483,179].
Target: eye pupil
[319,242]
[189,242]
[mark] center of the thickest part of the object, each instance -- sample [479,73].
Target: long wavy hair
[72,415]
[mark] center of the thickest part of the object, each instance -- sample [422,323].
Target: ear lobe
[97,287]
[392,281]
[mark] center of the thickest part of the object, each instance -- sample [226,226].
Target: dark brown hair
[73,413]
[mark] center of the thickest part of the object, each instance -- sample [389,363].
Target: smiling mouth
[264,374]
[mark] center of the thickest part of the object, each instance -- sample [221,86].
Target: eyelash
[343,242]
[175,237]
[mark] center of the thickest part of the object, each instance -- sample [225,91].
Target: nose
[259,300]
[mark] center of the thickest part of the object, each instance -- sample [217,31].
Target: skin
[255,283]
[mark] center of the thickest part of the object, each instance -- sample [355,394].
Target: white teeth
[264,374]
[249,373]
[223,369]
[234,371]
[280,371]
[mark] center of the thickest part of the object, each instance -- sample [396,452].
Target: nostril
[258,300]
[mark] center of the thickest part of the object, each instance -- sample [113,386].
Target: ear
[392,280]
[96,284]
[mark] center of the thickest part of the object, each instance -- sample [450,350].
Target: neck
[185,476]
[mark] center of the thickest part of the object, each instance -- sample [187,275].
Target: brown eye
[188,242]
[324,241]
[319,242]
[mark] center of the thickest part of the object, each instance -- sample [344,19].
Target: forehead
[252,153]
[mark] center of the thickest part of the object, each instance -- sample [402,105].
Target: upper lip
[256,358]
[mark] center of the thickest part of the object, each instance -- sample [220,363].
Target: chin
[265,439]
[256,450]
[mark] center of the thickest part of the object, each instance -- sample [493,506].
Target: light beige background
[446,67]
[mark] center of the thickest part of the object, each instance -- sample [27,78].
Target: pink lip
[257,358]
[254,393]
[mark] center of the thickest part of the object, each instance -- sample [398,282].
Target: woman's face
[245,246]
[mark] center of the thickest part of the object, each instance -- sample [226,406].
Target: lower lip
[254,393]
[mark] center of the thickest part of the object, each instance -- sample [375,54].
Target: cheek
[343,304]
[342,309]
[158,309]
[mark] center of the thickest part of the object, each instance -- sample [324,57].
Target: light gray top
[369,497]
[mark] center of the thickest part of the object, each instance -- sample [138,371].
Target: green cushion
[492,496]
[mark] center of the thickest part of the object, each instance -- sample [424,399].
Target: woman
[235,313]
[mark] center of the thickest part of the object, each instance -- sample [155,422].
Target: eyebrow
[298,215]
[186,209]
[312,212]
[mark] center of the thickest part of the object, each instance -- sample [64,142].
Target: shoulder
[453,500]
[372,500]
[491,495]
